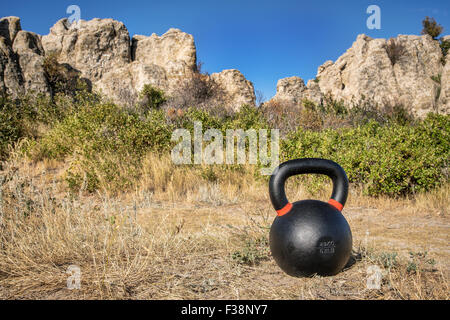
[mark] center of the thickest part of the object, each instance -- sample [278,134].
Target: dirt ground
[211,245]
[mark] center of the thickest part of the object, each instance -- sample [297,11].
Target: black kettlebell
[310,237]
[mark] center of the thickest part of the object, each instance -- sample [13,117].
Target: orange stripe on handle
[336,204]
[285,209]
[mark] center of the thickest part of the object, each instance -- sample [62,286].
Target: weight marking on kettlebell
[327,247]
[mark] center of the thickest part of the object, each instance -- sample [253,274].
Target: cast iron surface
[313,237]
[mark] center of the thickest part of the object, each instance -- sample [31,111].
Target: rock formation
[101,51]
[406,70]
[10,74]
[174,51]
[403,70]
[27,45]
[238,90]
[9,27]
[93,47]
[160,61]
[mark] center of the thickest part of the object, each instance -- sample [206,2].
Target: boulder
[93,47]
[293,91]
[238,90]
[11,80]
[392,72]
[400,71]
[124,84]
[28,47]
[9,27]
[174,51]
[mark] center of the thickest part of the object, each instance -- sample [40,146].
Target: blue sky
[265,40]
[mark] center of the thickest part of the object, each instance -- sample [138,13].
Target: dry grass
[187,233]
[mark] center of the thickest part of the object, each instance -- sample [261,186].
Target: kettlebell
[310,236]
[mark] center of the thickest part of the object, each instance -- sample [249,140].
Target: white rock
[239,91]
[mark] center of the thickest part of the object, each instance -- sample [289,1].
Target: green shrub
[31,115]
[151,98]
[335,114]
[18,119]
[105,143]
[106,127]
[208,121]
[383,150]
[431,27]
[253,252]
[11,124]
[248,117]
[395,159]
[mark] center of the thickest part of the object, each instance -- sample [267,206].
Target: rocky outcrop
[101,51]
[9,27]
[174,51]
[238,90]
[27,45]
[444,97]
[404,70]
[11,80]
[21,59]
[123,84]
[163,62]
[293,90]
[93,47]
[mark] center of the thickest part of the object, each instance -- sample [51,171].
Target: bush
[382,149]
[151,98]
[394,50]
[431,27]
[201,92]
[282,115]
[105,144]
[395,159]
[253,252]
[62,78]
[248,117]
[445,45]
[33,115]
[335,114]
[11,124]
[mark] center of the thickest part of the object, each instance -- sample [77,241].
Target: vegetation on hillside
[434,29]
[384,150]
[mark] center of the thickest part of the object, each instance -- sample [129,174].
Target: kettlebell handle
[302,166]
